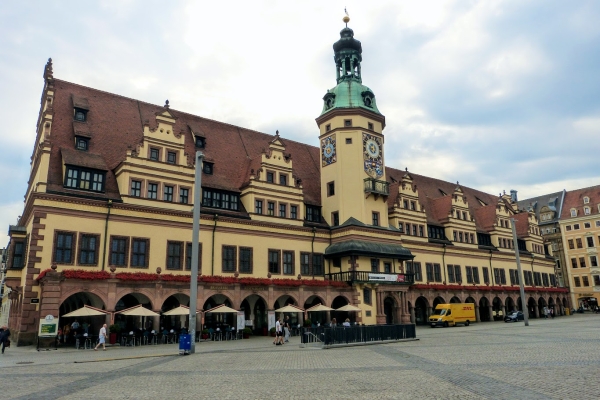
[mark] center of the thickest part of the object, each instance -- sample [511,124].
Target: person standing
[4,338]
[101,338]
[75,326]
[286,328]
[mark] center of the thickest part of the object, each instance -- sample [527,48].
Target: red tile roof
[574,199]
[115,124]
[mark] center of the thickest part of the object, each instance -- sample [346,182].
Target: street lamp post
[520,272]
[195,249]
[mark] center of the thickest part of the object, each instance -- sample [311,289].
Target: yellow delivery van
[452,314]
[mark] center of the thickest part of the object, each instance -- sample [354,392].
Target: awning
[319,307]
[348,307]
[369,249]
[138,311]
[86,311]
[221,309]
[181,310]
[290,308]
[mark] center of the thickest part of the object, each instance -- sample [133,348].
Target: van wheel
[467,323]
[445,324]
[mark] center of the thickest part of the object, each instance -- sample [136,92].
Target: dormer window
[587,210]
[80,115]
[154,154]
[368,98]
[200,142]
[586,200]
[573,212]
[84,179]
[171,157]
[207,168]
[329,100]
[81,143]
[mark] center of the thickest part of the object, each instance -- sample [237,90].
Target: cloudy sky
[498,95]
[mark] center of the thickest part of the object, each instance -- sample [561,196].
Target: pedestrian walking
[4,338]
[278,334]
[101,338]
[552,313]
[286,328]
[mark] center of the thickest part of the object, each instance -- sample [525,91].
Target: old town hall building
[107,219]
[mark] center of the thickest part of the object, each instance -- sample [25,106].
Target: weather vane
[346,18]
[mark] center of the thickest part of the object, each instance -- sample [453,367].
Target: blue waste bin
[185,344]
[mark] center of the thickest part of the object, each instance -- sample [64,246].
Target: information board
[271,315]
[48,327]
[241,320]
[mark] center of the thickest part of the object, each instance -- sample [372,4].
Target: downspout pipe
[108,206]
[491,269]
[312,249]
[212,257]
[444,265]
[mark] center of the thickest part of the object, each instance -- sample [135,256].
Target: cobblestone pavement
[550,359]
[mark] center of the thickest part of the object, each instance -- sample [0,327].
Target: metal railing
[373,277]
[357,334]
[379,187]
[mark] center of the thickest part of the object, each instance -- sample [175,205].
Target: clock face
[328,150]
[373,155]
[372,148]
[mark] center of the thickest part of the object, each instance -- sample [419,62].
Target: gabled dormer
[407,213]
[273,193]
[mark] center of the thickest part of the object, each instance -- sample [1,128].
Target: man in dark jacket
[4,335]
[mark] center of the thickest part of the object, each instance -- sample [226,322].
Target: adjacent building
[108,215]
[580,227]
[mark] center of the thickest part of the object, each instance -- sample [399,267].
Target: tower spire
[346,18]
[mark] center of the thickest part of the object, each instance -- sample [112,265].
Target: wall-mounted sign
[218,287]
[34,301]
[386,277]
[255,288]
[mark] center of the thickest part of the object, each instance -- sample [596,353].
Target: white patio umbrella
[348,307]
[86,311]
[319,307]
[290,308]
[221,309]
[181,310]
[138,311]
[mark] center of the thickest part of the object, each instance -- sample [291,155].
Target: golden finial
[346,18]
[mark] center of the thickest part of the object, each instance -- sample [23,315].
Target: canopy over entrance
[290,308]
[138,311]
[221,309]
[181,310]
[369,249]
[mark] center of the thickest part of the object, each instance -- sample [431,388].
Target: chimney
[513,195]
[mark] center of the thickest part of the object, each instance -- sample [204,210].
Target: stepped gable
[116,124]
[574,199]
[437,207]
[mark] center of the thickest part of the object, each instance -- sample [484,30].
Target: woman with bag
[4,338]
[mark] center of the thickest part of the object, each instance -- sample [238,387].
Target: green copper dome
[350,92]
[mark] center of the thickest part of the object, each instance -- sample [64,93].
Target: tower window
[348,140]
[347,122]
[335,218]
[330,189]
[370,125]
[327,127]
[375,218]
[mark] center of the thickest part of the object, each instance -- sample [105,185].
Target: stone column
[380,313]
[429,312]
[413,318]
[477,317]
[491,311]
[156,322]
[503,311]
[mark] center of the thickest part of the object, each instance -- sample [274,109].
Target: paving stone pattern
[550,359]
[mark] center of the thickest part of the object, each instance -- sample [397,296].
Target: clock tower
[353,183]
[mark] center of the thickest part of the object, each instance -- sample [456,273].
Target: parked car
[514,317]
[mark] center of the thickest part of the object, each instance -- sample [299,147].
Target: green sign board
[48,329]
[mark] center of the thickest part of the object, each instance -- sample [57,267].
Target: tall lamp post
[195,249]
[520,271]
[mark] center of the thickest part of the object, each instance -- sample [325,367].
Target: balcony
[372,277]
[377,187]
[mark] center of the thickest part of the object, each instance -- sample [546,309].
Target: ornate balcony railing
[377,187]
[372,277]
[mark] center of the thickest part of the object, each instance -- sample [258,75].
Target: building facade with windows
[107,219]
[580,227]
